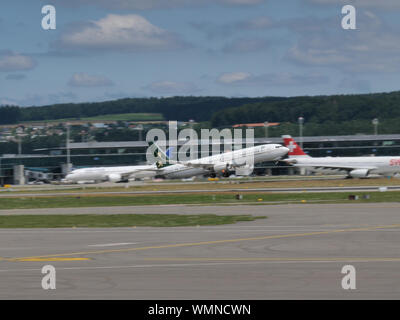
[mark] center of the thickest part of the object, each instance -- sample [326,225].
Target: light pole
[19,145]
[194,147]
[68,152]
[375,122]
[140,129]
[266,128]
[191,124]
[18,140]
[301,121]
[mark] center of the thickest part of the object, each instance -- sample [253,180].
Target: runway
[296,253]
[183,191]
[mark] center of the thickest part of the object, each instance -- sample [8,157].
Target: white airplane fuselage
[242,157]
[373,165]
[114,174]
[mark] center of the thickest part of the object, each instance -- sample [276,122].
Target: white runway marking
[112,244]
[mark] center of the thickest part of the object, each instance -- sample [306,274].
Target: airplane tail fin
[295,149]
[163,157]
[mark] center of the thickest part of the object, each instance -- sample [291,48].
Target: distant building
[100,125]
[255,125]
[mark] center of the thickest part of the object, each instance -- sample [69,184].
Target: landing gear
[225,173]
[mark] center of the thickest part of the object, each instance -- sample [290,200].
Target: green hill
[336,114]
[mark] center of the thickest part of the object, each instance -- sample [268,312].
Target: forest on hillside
[324,115]
[318,109]
[174,108]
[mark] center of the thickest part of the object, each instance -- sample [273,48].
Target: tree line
[324,115]
[318,109]
[172,108]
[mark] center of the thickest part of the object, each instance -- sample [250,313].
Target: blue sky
[103,50]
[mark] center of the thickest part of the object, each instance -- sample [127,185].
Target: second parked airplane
[355,167]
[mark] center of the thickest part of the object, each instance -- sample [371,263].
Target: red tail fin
[295,149]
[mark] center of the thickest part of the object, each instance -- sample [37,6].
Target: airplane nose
[285,150]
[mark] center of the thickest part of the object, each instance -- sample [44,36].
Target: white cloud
[271,79]
[11,61]
[119,32]
[85,80]
[172,87]
[233,77]
[317,56]
[8,102]
[374,47]
[256,23]
[40,99]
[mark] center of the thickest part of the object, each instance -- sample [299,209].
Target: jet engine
[114,177]
[359,173]
[221,166]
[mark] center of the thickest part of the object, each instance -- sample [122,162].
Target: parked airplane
[113,174]
[240,161]
[354,167]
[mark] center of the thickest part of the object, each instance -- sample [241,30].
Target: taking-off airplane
[240,161]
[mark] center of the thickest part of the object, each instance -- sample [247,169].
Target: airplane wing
[126,174]
[207,166]
[211,166]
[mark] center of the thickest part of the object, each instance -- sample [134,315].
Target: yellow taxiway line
[49,259]
[42,259]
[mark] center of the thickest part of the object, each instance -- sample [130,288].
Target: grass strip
[94,200]
[119,220]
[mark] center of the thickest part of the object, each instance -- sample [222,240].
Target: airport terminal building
[91,154]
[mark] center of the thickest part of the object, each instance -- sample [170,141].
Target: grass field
[190,198]
[113,221]
[127,117]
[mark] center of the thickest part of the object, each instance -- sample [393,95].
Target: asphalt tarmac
[298,252]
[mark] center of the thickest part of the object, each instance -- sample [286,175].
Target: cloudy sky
[104,49]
